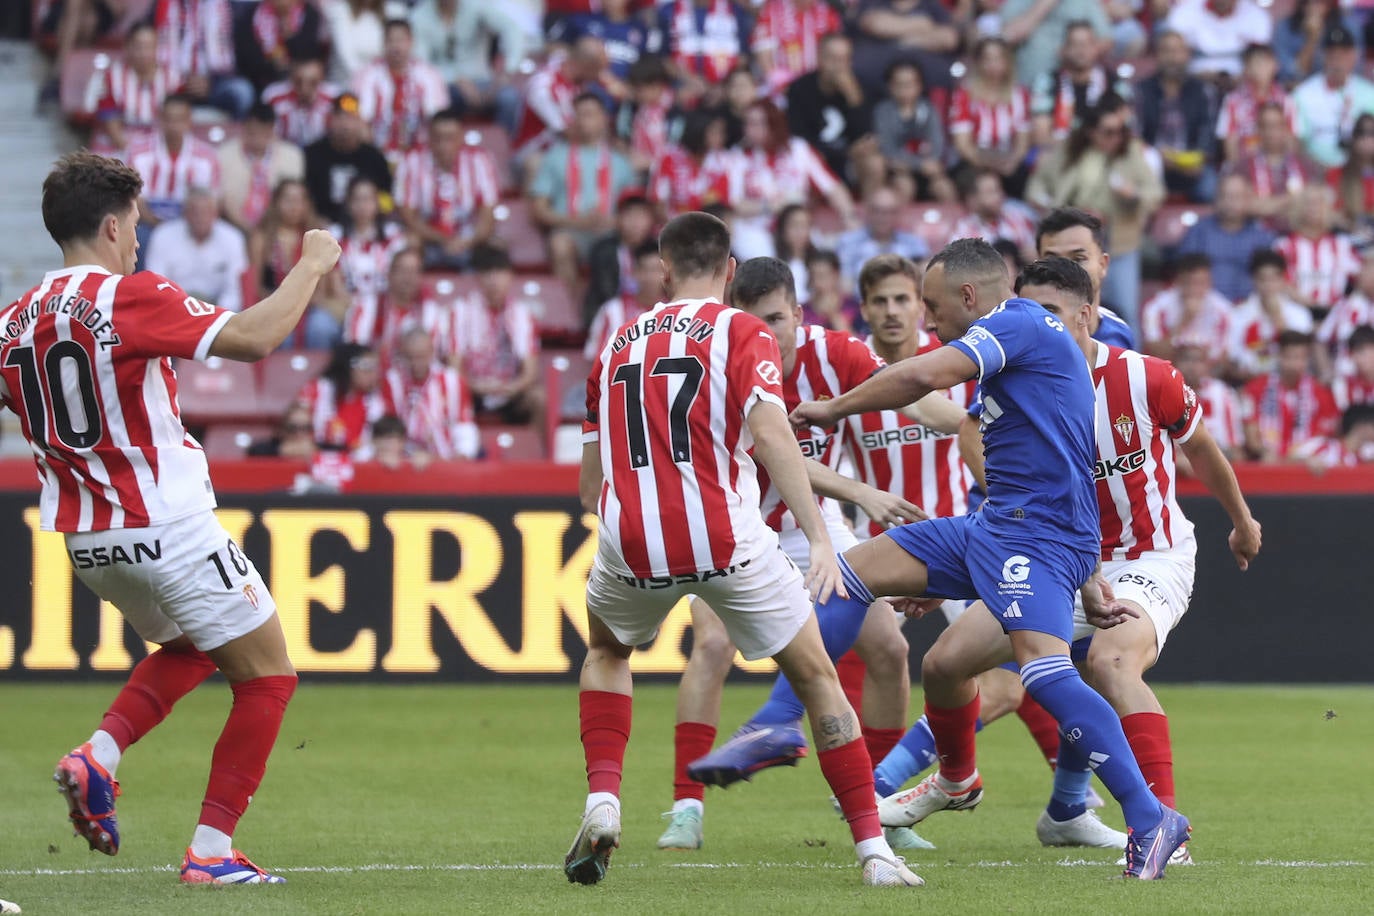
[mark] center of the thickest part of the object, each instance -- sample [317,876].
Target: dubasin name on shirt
[696,328]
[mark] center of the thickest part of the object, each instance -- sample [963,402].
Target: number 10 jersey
[85,363]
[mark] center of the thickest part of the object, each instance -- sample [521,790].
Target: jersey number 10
[65,362]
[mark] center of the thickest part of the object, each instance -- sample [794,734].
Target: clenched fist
[320,251]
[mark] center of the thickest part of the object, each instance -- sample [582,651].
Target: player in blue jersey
[1025,554]
[1077,235]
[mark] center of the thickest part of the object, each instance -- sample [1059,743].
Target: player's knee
[886,658]
[712,647]
[939,667]
[1107,670]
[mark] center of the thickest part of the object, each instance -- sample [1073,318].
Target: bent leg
[698,698]
[971,645]
[887,679]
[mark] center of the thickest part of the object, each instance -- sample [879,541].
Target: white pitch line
[542,866]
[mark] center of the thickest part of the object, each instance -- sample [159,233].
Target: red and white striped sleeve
[486,186]
[817,173]
[524,332]
[1173,405]
[753,364]
[165,320]
[404,184]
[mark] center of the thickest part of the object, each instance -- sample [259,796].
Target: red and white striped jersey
[895,454]
[1321,268]
[1239,115]
[1221,407]
[829,363]
[787,176]
[1143,408]
[1286,417]
[493,343]
[398,105]
[680,183]
[195,36]
[793,35]
[710,50]
[447,199]
[300,120]
[548,107]
[1254,333]
[119,92]
[345,422]
[609,319]
[1016,223]
[649,129]
[85,363]
[379,323]
[364,262]
[1163,318]
[1330,452]
[1351,390]
[1347,315]
[167,177]
[994,125]
[437,411]
[666,406]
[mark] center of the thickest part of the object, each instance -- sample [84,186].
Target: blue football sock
[913,755]
[1072,774]
[840,620]
[1090,724]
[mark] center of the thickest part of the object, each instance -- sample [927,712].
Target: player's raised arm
[253,333]
[892,389]
[1211,467]
[775,447]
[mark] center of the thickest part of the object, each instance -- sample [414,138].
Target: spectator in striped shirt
[432,400]
[1354,447]
[303,102]
[1219,401]
[1189,312]
[1258,321]
[990,117]
[1338,329]
[1356,387]
[611,261]
[1288,406]
[829,109]
[1354,181]
[274,34]
[495,344]
[991,216]
[252,164]
[127,95]
[1237,120]
[624,307]
[1277,170]
[446,194]
[1321,261]
[196,38]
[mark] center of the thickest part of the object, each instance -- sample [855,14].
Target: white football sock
[209,843]
[105,751]
[874,847]
[596,798]
[689,804]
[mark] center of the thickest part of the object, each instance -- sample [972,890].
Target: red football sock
[880,741]
[690,741]
[154,686]
[240,757]
[954,731]
[1042,727]
[1148,734]
[849,770]
[605,732]
[851,670]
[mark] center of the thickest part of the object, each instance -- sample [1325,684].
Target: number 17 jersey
[85,363]
[666,406]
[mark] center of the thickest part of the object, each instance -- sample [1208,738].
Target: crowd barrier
[470,573]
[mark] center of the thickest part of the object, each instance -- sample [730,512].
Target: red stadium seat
[494,139]
[230,441]
[446,287]
[218,390]
[513,443]
[282,375]
[555,310]
[933,222]
[1172,221]
[515,227]
[566,372]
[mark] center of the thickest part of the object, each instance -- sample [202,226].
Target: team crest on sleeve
[1125,428]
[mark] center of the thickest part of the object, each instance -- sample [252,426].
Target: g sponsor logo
[1016,569]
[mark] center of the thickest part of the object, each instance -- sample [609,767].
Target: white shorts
[1161,582]
[762,602]
[798,548]
[187,576]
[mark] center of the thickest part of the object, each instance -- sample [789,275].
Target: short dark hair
[1295,339]
[1190,263]
[648,249]
[696,244]
[879,268]
[490,257]
[1355,415]
[822,256]
[967,260]
[1060,273]
[1266,257]
[903,63]
[1363,336]
[757,277]
[446,114]
[178,98]
[968,180]
[1009,252]
[1078,24]
[398,23]
[388,425]
[261,113]
[589,97]
[648,70]
[1253,50]
[1065,218]
[83,189]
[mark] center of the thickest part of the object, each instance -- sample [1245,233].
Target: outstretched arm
[936,411]
[255,332]
[886,509]
[1211,467]
[892,389]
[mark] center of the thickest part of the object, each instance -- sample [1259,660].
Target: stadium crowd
[496,173]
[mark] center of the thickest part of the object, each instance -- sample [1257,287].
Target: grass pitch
[462,799]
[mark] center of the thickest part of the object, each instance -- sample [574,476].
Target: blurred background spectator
[1341,324]
[272,35]
[356,36]
[911,137]
[1258,321]
[1176,118]
[432,401]
[380,320]
[1189,313]
[127,96]
[196,39]
[369,240]
[881,233]
[342,154]
[793,243]
[1298,37]
[1329,102]
[399,93]
[303,102]
[1069,34]
[1277,170]
[390,448]
[1354,446]
[1288,406]
[200,252]
[1355,386]
[446,194]
[1219,401]
[171,161]
[705,40]
[347,398]
[787,37]
[611,259]
[1218,31]
[1353,182]
[990,117]
[273,249]
[495,344]
[1237,122]
[992,215]
[1229,236]
[456,38]
[829,110]
[1063,92]
[830,305]
[694,172]
[294,438]
[624,307]
[1320,259]
[921,31]
[252,164]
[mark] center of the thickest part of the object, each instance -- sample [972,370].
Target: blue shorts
[1026,586]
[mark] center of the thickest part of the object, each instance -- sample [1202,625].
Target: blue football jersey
[1038,417]
[1113,330]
